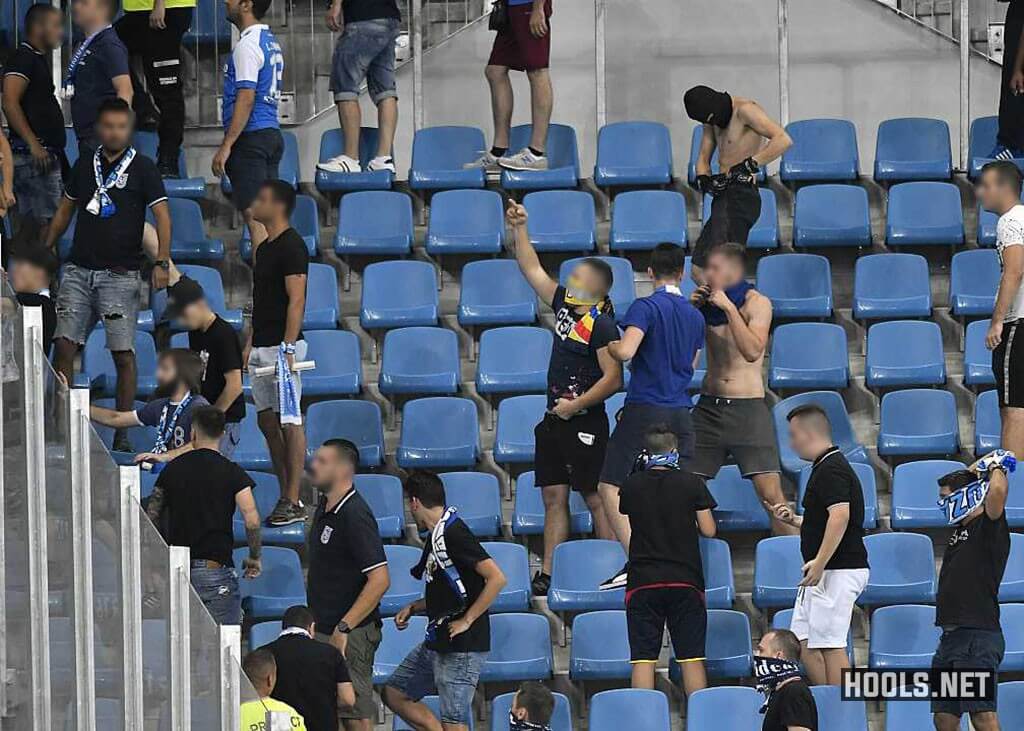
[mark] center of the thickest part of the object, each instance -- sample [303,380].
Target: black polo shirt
[308,673]
[114,242]
[104,59]
[344,546]
[39,103]
[833,481]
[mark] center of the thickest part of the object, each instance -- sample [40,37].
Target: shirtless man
[731,416]
[738,128]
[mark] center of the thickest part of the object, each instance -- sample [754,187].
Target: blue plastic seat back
[865,475]
[399,293]
[494,292]
[777,571]
[517,417]
[208,278]
[904,353]
[1011,618]
[918,421]
[383,493]
[832,402]
[809,355]
[404,589]
[613,710]
[578,568]
[915,490]
[147,143]
[528,510]
[186,220]
[982,141]
[420,360]
[716,562]
[987,423]
[520,648]
[321,298]
[823,149]
[332,144]
[561,720]
[306,221]
[288,169]
[728,645]
[281,575]
[438,156]
[832,215]
[1011,588]
[726,708]
[563,160]
[98,364]
[973,281]
[739,507]
[561,220]
[266,492]
[1011,704]
[477,495]
[902,569]
[977,356]
[642,219]
[210,25]
[394,645]
[357,421]
[600,646]
[514,562]
[633,153]
[922,213]
[439,431]
[903,636]
[513,359]
[263,633]
[623,285]
[338,369]
[387,231]
[913,148]
[465,221]
[799,285]
[837,714]
[891,285]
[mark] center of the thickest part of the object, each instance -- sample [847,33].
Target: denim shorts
[218,590]
[365,50]
[264,388]
[87,295]
[254,159]
[453,674]
[969,649]
[37,192]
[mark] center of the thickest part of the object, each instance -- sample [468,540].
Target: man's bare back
[729,373]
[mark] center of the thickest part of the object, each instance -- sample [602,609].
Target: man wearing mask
[789,704]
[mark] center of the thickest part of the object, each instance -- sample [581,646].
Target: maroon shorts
[516,47]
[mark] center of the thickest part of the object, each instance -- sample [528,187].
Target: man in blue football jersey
[252,145]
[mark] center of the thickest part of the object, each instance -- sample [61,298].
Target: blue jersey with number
[255,63]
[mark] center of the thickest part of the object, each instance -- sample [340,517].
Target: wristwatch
[343,627]
[162,263]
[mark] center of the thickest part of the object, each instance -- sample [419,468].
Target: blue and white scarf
[437,558]
[165,427]
[769,672]
[287,396]
[646,461]
[101,204]
[959,504]
[68,88]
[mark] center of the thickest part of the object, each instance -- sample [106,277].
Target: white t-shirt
[1010,232]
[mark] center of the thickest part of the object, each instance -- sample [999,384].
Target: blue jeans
[365,50]
[453,674]
[218,590]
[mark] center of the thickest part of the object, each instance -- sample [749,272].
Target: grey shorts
[740,427]
[88,295]
[37,192]
[453,674]
[359,653]
[264,388]
[365,50]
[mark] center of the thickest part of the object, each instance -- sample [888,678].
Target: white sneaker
[340,164]
[525,159]
[381,163]
[486,162]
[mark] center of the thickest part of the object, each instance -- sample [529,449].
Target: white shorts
[822,613]
[264,388]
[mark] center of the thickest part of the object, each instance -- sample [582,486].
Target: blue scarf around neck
[737,294]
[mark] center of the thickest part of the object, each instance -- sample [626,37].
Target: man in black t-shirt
[462,583]
[280,263]
[790,705]
[571,438]
[312,677]
[348,573]
[194,500]
[217,345]
[667,507]
[835,571]
[967,602]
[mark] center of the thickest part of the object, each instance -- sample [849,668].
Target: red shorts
[516,47]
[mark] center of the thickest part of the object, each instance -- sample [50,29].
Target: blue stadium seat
[494,292]
[438,156]
[500,706]
[513,360]
[440,431]
[398,294]
[973,281]
[977,357]
[420,360]
[901,715]
[338,369]
[433,703]
[528,511]
[765,233]
[332,144]
[913,148]
[924,213]
[321,298]
[842,429]
[520,649]
[725,708]
[809,355]
[987,423]
[514,562]
[902,569]
[1011,588]
[823,149]
[1015,501]
[728,646]
[478,498]
[561,220]
[887,286]
[903,636]
[142,438]
[517,417]
[904,353]
[306,222]
[987,221]
[383,493]
[866,477]
[915,490]
[210,26]
[267,492]
[982,140]
[280,585]
[777,571]
[614,710]
[799,285]
[98,369]
[251,452]
[357,421]
[600,646]
[838,714]
[563,160]
[464,222]
[831,215]
[633,153]
[1011,704]
[387,232]
[699,372]
[642,219]
[918,421]
[623,285]
[783,619]
[1011,618]
[716,561]
[189,241]
[739,507]
[691,168]
[146,143]
[404,589]
[213,289]
[394,645]
[263,633]
[578,567]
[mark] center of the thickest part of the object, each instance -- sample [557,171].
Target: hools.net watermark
[921,684]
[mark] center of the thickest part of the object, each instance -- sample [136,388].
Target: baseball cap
[179,296]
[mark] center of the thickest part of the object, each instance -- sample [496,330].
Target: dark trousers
[1011,106]
[161,60]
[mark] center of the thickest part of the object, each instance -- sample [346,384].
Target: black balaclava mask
[707,106]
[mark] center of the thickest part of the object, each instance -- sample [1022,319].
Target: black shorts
[968,649]
[742,428]
[734,212]
[254,158]
[570,452]
[1008,365]
[648,610]
[627,440]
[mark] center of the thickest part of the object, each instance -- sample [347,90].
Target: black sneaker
[168,168]
[121,441]
[618,581]
[286,512]
[541,583]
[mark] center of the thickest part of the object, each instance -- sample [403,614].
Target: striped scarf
[584,327]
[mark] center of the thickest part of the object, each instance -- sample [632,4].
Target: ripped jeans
[89,295]
[218,590]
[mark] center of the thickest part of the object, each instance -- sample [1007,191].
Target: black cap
[37,255]
[181,295]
